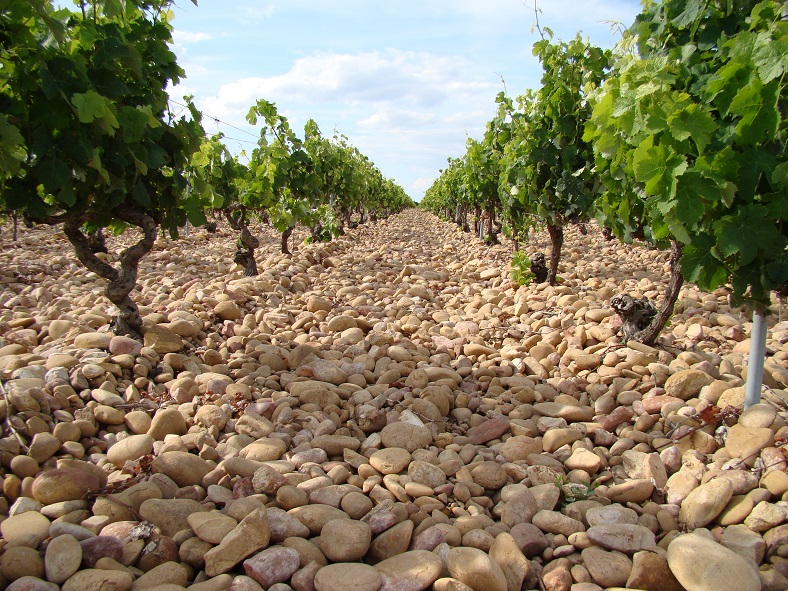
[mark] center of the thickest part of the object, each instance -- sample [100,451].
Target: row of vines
[677,137]
[91,141]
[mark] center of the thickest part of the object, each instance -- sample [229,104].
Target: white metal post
[752,394]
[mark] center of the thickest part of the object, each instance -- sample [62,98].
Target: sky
[406,81]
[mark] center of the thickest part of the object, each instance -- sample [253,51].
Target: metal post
[188,196]
[752,393]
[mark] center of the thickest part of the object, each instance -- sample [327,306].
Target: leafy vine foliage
[88,139]
[547,159]
[689,135]
[677,138]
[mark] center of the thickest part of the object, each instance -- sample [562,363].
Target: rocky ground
[383,412]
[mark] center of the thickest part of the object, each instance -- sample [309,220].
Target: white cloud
[422,184]
[183,37]
[420,80]
[393,119]
[380,90]
[255,13]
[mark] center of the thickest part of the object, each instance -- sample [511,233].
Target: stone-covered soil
[384,412]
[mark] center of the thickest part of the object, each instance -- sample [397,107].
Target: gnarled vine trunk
[247,243]
[122,280]
[492,237]
[539,267]
[556,242]
[285,237]
[641,320]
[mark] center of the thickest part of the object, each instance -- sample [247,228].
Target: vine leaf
[693,122]
[756,104]
[658,167]
[700,266]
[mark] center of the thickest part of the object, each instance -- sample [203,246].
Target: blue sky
[406,81]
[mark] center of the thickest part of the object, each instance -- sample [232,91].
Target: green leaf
[114,8]
[691,12]
[658,167]
[90,106]
[780,175]
[724,84]
[700,266]
[11,147]
[745,233]
[140,194]
[67,196]
[693,122]
[695,188]
[53,173]
[722,166]
[771,58]
[133,122]
[95,163]
[755,162]
[756,105]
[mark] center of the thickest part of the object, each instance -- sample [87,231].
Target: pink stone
[100,547]
[273,565]
[530,539]
[429,539]
[243,488]
[304,579]
[654,404]
[621,415]
[557,579]
[488,430]
[122,345]
[28,583]
[381,521]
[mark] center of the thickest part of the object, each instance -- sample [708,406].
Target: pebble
[476,569]
[700,564]
[705,503]
[624,537]
[62,558]
[410,571]
[347,576]
[272,565]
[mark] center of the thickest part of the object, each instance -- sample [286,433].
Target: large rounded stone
[169,515]
[348,576]
[63,484]
[273,565]
[25,529]
[130,449]
[62,559]
[623,537]
[476,569]
[211,526]
[515,566]
[427,474]
[316,516]
[406,435]
[700,564]
[167,421]
[392,541]
[412,571]
[345,540]
[249,536]
[390,460]
[687,383]
[95,579]
[184,468]
[705,503]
